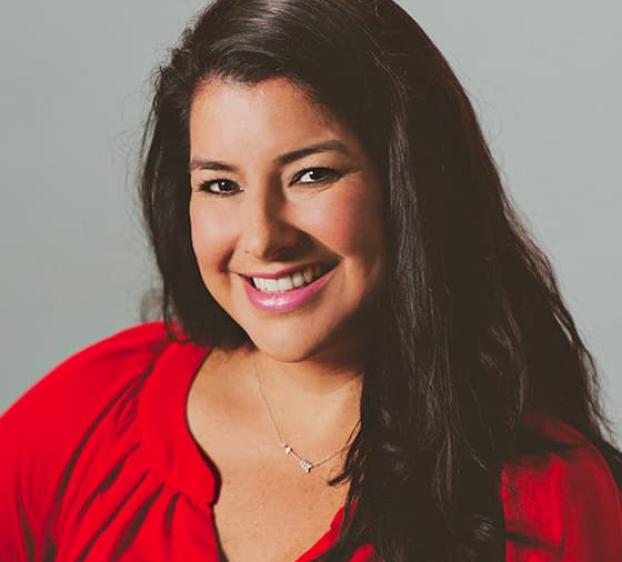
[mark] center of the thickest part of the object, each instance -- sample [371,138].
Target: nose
[267,232]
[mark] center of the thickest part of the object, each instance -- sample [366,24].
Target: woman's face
[280,188]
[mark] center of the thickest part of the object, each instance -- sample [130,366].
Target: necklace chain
[305,464]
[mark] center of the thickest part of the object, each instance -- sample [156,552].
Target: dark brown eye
[220,187]
[318,175]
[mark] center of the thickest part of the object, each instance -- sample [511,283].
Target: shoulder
[90,373]
[86,401]
[48,421]
[137,343]
[66,399]
[566,503]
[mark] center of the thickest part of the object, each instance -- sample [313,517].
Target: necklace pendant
[287,449]
[305,465]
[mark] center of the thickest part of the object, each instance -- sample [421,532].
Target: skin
[309,359]
[272,222]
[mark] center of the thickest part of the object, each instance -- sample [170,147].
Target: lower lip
[288,300]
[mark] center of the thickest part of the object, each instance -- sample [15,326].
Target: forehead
[274,115]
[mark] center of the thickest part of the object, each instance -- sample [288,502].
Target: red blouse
[97,464]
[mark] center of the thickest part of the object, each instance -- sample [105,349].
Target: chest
[266,507]
[273,516]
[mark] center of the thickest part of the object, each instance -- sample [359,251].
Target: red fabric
[97,464]
[567,502]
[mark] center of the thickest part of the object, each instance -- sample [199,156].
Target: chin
[287,349]
[328,342]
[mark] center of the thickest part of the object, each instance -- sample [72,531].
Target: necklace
[305,464]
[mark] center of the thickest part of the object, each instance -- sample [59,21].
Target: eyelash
[332,175]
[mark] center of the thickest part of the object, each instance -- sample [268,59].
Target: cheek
[352,223]
[209,235]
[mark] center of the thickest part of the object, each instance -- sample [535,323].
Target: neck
[313,398]
[327,372]
[308,379]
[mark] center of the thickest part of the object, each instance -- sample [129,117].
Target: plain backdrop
[75,82]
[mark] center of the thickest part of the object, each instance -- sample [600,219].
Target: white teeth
[285,283]
[308,274]
[288,282]
[298,279]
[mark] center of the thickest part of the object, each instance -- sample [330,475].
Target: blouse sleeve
[567,505]
[42,430]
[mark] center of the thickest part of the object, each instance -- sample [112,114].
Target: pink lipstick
[286,300]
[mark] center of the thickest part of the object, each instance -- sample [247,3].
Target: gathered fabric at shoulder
[49,438]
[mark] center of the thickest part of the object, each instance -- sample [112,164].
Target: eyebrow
[282,160]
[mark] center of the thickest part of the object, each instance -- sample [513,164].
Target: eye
[220,187]
[325,174]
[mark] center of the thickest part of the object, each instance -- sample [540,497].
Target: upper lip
[288,270]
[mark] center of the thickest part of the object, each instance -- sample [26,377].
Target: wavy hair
[471,329]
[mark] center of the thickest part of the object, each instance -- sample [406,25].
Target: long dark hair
[471,329]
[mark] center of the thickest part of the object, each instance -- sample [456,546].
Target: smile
[289,291]
[292,281]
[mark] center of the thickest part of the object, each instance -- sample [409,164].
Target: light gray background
[74,76]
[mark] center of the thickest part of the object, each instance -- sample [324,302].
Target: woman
[363,355]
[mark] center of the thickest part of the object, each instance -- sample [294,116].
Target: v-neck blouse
[97,464]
